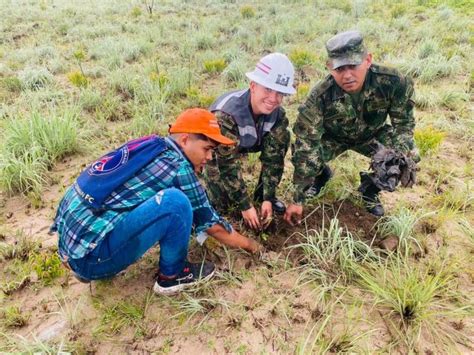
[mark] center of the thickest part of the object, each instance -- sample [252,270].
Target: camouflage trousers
[217,193]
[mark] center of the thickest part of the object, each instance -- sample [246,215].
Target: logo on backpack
[110,162]
[96,183]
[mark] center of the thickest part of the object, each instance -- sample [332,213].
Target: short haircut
[201,137]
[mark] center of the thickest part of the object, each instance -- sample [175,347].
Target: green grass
[20,344]
[14,318]
[35,78]
[330,253]
[402,225]
[22,247]
[467,228]
[78,79]
[189,306]
[247,11]
[47,266]
[428,140]
[214,66]
[416,299]
[302,57]
[123,314]
[32,145]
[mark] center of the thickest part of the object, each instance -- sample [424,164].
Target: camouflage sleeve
[401,115]
[275,146]
[308,130]
[230,165]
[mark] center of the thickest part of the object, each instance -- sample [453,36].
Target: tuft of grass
[247,11]
[16,276]
[31,146]
[23,246]
[112,108]
[234,72]
[19,344]
[467,228]
[331,252]
[426,99]
[136,11]
[204,40]
[47,266]
[452,100]
[416,298]
[11,84]
[70,309]
[78,79]
[428,139]
[35,78]
[214,66]
[428,48]
[191,306]
[90,100]
[14,318]
[401,225]
[180,80]
[125,313]
[398,10]
[458,198]
[430,68]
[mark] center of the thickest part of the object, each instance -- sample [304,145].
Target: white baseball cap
[274,71]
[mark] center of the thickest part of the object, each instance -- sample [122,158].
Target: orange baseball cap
[198,120]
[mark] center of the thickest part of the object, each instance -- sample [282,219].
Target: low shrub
[301,57]
[247,11]
[78,79]
[48,267]
[428,139]
[214,66]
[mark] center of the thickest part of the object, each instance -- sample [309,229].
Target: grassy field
[79,78]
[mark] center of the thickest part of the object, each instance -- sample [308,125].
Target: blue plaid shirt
[80,230]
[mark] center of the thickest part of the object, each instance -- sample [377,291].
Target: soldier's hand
[293,214]
[251,218]
[266,212]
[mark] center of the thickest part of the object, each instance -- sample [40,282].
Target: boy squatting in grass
[349,110]
[159,204]
[255,119]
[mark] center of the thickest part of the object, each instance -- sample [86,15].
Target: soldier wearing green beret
[349,109]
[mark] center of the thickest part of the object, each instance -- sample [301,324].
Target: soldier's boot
[277,205]
[371,199]
[319,182]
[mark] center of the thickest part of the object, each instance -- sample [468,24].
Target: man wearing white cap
[255,119]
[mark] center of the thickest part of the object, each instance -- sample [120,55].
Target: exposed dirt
[279,238]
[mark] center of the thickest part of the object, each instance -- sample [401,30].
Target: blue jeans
[165,218]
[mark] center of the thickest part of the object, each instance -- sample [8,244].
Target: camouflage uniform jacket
[273,146]
[329,114]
